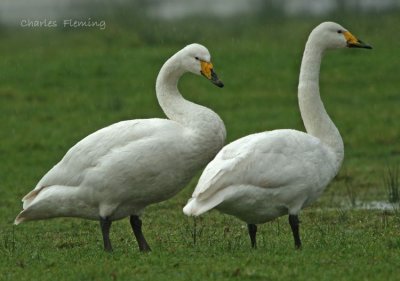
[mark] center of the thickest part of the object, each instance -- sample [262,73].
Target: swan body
[119,170]
[266,175]
[261,176]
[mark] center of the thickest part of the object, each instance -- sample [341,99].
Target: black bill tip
[359,44]
[218,83]
[214,79]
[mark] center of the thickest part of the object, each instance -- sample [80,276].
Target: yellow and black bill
[353,42]
[208,72]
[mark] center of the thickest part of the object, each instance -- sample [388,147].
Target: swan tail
[196,207]
[21,217]
[27,201]
[44,203]
[30,197]
[33,212]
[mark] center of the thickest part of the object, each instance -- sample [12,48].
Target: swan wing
[225,162]
[100,146]
[266,160]
[107,156]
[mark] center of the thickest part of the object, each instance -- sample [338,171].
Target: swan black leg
[105,224]
[294,224]
[136,224]
[252,233]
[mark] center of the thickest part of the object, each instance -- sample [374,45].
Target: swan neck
[207,126]
[315,118]
[168,95]
[311,63]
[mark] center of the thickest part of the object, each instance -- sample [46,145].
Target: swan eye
[197,58]
[339,31]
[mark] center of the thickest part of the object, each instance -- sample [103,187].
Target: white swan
[119,170]
[266,175]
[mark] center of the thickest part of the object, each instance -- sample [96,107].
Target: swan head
[196,58]
[332,36]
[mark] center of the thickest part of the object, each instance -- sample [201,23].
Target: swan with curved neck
[266,175]
[119,170]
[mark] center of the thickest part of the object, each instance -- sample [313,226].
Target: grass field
[57,86]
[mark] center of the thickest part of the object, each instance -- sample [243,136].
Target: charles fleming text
[66,23]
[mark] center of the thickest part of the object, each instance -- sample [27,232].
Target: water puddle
[372,205]
[377,205]
[366,205]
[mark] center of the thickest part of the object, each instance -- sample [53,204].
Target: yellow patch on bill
[206,68]
[350,38]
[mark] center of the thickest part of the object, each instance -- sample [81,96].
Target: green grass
[57,86]
[391,181]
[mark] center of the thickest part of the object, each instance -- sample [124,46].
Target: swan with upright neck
[119,170]
[263,176]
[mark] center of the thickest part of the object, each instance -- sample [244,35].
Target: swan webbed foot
[105,224]
[294,224]
[136,224]
[252,233]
